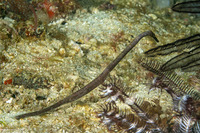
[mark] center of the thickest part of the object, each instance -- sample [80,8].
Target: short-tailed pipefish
[94,83]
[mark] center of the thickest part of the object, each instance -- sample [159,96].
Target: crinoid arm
[138,116]
[187,61]
[187,7]
[196,127]
[185,97]
[176,46]
[170,79]
[183,124]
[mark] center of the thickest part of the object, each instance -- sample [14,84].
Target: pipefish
[94,83]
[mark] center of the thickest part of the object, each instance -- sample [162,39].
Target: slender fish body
[94,83]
